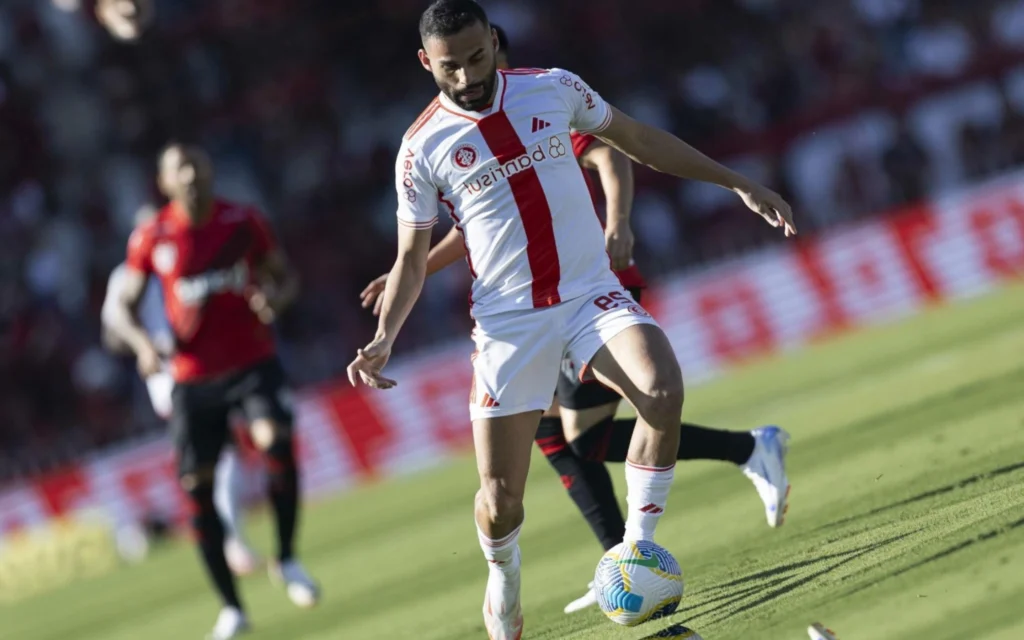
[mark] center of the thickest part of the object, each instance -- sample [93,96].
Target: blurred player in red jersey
[127,20]
[228,483]
[579,433]
[224,280]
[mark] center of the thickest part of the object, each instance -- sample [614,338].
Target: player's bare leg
[275,442]
[503,462]
[639,362]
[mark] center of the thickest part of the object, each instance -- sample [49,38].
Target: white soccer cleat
[231,623]
[817,631]
[302,590]
[588,599]
[503,615]
[767,470]
[242,560]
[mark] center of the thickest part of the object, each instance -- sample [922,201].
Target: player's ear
[424,60]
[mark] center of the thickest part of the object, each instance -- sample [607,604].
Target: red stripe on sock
[652,469]
[494,544]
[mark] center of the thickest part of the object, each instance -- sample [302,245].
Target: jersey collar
[499,102]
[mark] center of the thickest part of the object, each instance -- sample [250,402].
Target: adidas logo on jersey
[539,124]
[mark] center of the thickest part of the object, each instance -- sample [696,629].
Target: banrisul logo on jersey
[551,149]
[194,289]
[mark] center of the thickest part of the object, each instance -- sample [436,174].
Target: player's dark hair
[444,18]
[502,38]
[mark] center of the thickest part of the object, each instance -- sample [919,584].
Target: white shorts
[519,354]
[160,386]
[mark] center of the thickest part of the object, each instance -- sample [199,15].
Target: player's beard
[476,103]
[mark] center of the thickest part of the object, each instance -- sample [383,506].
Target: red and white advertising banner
[956,246]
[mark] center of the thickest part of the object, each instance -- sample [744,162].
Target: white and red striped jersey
[509,180]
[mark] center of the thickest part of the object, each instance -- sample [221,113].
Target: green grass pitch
[906,518]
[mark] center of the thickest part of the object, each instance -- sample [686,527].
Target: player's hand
[261,305]
[371,295]
[619,242]
[368,364]
[148,361]
[769,205]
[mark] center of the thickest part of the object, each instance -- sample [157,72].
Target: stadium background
[895,128]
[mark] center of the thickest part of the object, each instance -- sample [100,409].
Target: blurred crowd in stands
[849,108]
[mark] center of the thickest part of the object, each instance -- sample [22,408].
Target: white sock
[646,494]
[226,492]
[502,554]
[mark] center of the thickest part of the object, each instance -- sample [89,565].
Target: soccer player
[494,149]
[127,20]
[581,435]
[224,281]
[228,483]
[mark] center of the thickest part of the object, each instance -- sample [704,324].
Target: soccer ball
[636,582]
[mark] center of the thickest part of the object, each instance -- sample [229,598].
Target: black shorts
[200,411]
[573,394]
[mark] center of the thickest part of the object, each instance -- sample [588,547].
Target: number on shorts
[611,301]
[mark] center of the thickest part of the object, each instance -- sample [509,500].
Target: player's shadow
[749,592]
[675,631]
[966,482]
[945,553]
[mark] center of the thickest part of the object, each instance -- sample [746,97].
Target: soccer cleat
[503,615]
[588,599]
[241,558]
[817,631]
[302,591]
[767,470]
[231,623]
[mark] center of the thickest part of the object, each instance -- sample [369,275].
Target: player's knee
[267,434]
[499,506]
[660,399]
[194,482]
[205,520]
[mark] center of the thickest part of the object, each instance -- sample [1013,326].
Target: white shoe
[302,591]
[817,631]
[242,560]
[503,615]
[231,623]
[588,599]
[767,470]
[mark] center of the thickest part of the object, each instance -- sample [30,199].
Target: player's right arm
[119,316]
[448,251]
[417,215]
[616,172]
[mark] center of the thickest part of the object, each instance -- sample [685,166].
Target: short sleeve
[588,112]
[417,192]
[140,250]
[263,236]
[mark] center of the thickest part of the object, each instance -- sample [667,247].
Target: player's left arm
[664,152]
[276,281]
[616,173]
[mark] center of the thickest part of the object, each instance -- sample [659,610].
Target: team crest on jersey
[165,256]
[465,156]
[637,310]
